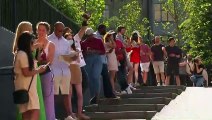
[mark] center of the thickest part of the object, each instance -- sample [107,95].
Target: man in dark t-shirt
[157,57]
[174,55]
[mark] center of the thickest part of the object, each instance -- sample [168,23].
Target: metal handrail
[8,70]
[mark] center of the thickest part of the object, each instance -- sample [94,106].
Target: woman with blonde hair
[112,63]
[22,26]
[27,26]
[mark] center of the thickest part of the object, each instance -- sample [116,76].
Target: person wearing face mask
[76,78]
[157,57]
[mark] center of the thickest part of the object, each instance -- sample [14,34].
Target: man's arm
[164,51]
[81,32]
[180,54]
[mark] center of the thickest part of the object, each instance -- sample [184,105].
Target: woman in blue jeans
[197,77]
[92,49]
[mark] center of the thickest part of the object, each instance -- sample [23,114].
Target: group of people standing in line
[64,60]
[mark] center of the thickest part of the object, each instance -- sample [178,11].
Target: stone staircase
[144,103]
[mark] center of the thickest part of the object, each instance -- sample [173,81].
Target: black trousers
[107,87]
[122,76]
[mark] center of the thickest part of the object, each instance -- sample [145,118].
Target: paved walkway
[193,104]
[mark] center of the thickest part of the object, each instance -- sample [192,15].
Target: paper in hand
[68,57]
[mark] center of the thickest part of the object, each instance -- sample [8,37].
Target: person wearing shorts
[60,69]
[145,60]
[157,57]
[133,50]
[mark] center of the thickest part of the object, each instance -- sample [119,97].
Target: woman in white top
[24,73]
[112,62]
[76,77]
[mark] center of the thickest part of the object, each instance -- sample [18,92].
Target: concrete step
[149,95]
[121,115]
[167,90]
[162,87]
[128,119]
[154,100]
[124,107]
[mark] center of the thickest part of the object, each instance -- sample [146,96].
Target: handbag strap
[30,83]
[13,73]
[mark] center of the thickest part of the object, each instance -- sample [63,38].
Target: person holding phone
[27,26]
[25,71]
[45,55]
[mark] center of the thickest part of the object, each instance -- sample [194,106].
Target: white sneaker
[123,92]
[163,84]
[117,93]
[128,90]
[131,87]
[136,85]
[158,84]
[69,118]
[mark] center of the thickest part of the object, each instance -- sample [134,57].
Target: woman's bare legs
[136,72]
[31,115]
[112,78]
[80,115]
[144,76]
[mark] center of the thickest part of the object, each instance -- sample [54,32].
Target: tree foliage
[175,8]
[130,17]
[197,29]
[75,8]
[193,25]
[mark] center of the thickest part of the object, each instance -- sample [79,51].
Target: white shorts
[62,81]
[158,66]
[145,67]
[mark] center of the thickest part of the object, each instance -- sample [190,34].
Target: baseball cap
[89,31]
[111,32]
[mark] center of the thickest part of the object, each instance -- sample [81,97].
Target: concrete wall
[7,111]
[6,41]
